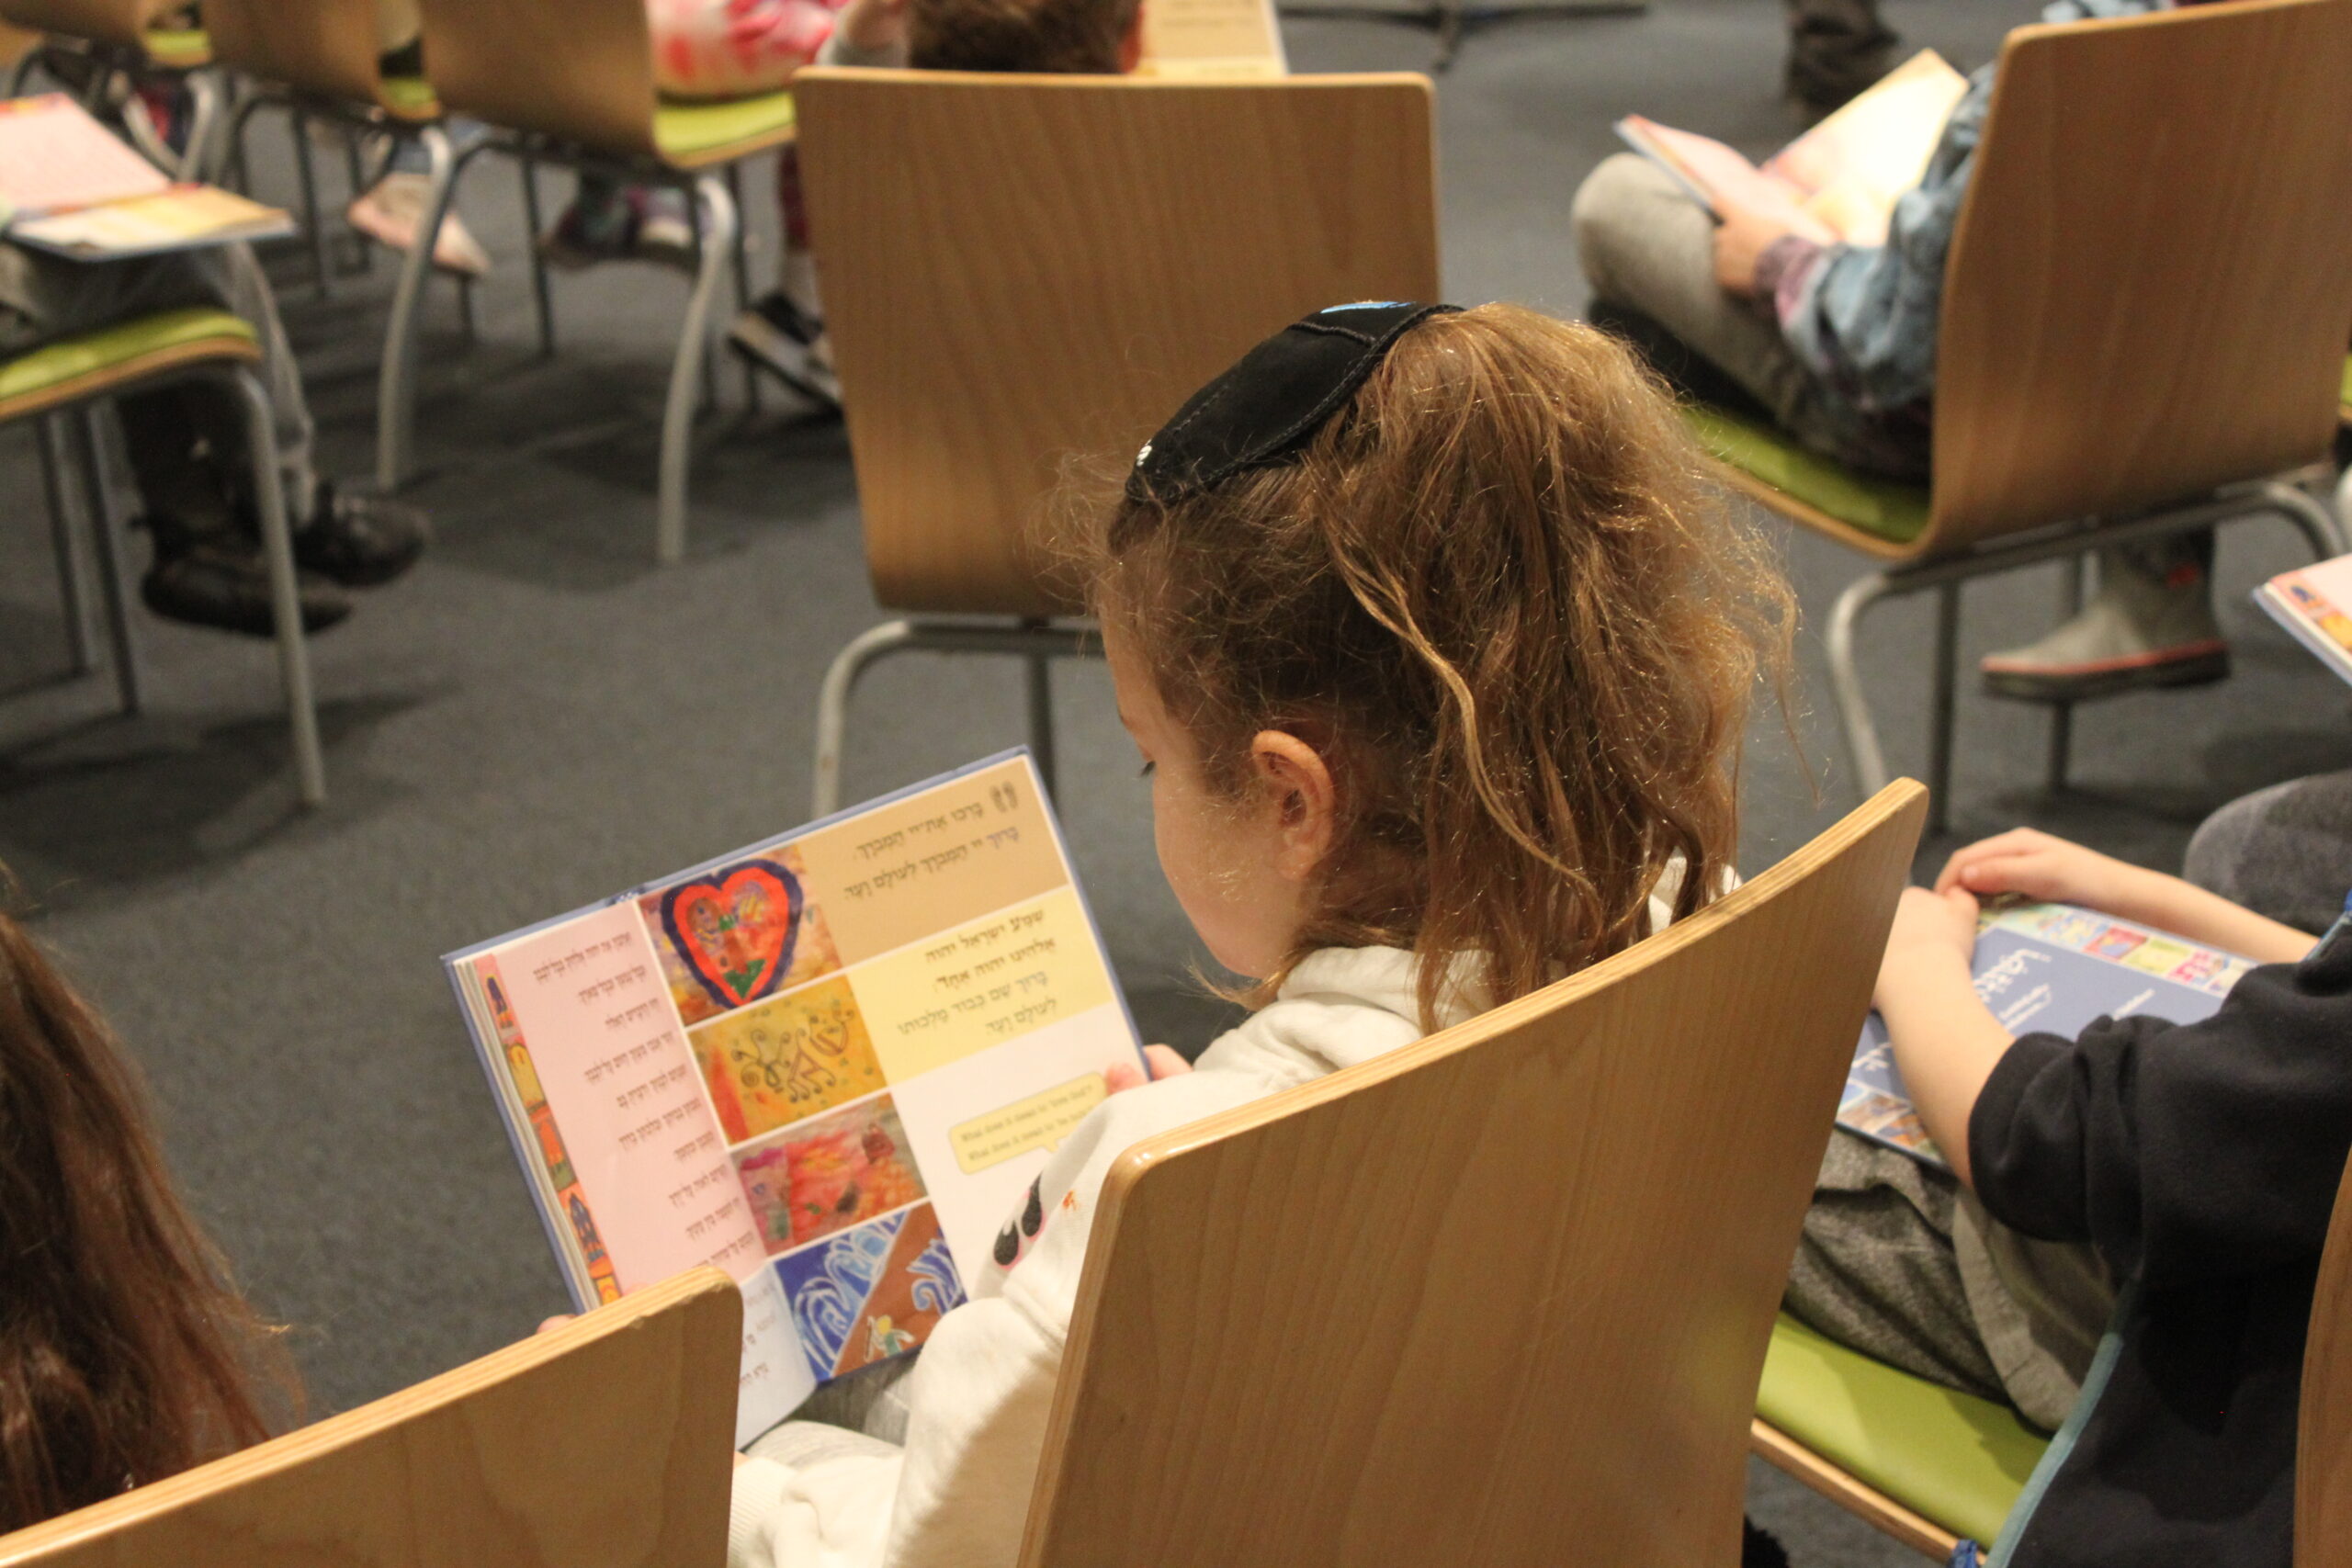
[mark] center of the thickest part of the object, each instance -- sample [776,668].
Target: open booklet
[1211,41]
[830,1063]
[2316,606]
[70,187]
[2048,968]
[1845,174]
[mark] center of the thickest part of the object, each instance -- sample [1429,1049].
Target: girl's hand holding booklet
[70,187]
[830,1064]
[2052,969]
[1843,176]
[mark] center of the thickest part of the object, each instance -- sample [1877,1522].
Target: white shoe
[391,212]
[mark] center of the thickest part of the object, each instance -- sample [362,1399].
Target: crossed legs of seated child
[186,444]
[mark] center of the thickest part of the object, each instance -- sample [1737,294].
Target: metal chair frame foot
[1036,643]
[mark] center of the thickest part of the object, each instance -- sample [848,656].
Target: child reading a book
[125,1354]
[1837,344]
[2199,1164]
[1438,658]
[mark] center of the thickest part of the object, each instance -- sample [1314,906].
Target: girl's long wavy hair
[1497,594]
[125,1353]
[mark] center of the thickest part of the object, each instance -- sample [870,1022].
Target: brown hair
[1496,594]
[1057,36]
[125,1354]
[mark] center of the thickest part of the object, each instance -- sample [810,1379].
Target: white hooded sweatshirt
[957,1495]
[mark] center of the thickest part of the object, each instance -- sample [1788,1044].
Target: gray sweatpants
[1645,245]
[2284,851]
[45,298]
[1903,1264]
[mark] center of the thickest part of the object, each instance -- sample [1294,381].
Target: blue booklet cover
[2052,968]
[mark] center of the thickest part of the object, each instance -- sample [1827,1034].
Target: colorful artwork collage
[2151,953]
[799,1092]
[569,1197]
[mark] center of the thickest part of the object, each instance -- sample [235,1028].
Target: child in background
[125,1354]
[2198,1162]
[1439,655]
[784,333]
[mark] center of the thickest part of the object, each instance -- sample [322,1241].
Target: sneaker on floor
[394,209]
[360,541]
[225,584]
[645,223]
[2137,631]
[789,343]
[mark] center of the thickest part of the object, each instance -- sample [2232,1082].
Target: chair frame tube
[2318,525]
[1039,643]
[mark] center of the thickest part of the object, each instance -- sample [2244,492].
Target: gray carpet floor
[539,716]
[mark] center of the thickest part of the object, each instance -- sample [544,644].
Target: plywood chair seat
[698,135]
[85,366]
[1932,1464]
[1878,515]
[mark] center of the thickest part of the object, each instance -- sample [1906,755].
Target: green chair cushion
[1895,511]
[2344,387]
[179,46]
[410,95]
[93,351]
[681,130]
[1957,1459]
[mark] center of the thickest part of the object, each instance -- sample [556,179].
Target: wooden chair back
[2324,1435]
[327,47]
[604,1444]
[1021,270]
[124,22]
[1501,1297]
[577,70]
[2149,282]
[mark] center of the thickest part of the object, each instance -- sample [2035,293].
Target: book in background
[70,187]
[1206,40]
[1842,177]
[830,1063]
[2316,606]
[2052,969]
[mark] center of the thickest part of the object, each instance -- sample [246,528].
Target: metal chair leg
[1846,682]
[90,451]
[2062,715]
[305,169]
[874,644]
[715,217]
[743,278]
[2325,530]
[540,297]
[396,388]
[71,593]
[1941,717]
[1041,719]
[203,118]
[236,168]
[278,550]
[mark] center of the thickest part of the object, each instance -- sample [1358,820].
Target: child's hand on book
[1751,221]
[1119,1077]
[1931,929]
[2035,864]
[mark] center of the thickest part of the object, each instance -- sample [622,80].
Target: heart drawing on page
[736,928]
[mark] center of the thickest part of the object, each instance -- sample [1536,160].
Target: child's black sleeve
[2182,1152]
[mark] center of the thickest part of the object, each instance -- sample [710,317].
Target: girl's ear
[1300,789]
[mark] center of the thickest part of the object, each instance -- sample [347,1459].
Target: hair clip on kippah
[1261,412]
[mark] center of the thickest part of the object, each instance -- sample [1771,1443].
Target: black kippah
[1263,410]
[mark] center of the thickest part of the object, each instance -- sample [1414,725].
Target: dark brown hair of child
[1497,594]
[1055,36]
[125,1354]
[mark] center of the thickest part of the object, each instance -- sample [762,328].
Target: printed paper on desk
[831,1063]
